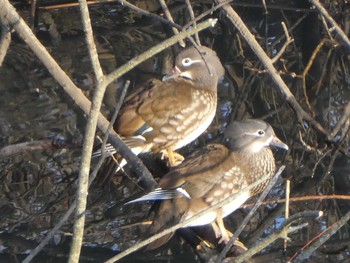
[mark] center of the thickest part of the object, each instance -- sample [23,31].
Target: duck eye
[260,132]
[186,62]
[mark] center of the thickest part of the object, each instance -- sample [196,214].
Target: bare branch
[280,85]
[9,15]
[5,40]
[283,232]
[324,12]
[190,10]
[285,45]
[308,252]
[146,13]
[65,217]
[185,222]
[250,214]
[89,37]
[170,18]
[83,182]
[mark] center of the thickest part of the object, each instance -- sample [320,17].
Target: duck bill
[173,74]
[278,143]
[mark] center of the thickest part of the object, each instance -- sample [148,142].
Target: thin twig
[114,117]
[85,163]
[33,13]
[329,18]
[157,49]
[190,11]
[184,223]
[206,13]
[283,232]
[250,214]
[110,127]
[285,45]
[303,198]
[308,147]
[62,220]
[328,31]
[114,139]
[65,217]
[146,13]
[5,40]
[286,210]
[95,2]
[310,241]
[280,85]
[89,38]
[170,18]
[309,251]
[9,16]
[334,155]
[29,146]
[302,215]
[50,235]
[307,68]
[216,7]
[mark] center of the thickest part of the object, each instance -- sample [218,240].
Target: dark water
[37,187]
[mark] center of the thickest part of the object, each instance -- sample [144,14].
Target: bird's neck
[256,164]
[205,83]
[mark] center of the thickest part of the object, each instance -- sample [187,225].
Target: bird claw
[224,239]
[221,233]
[174,158]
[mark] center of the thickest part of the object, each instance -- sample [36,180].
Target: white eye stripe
[257,133]
[186,62]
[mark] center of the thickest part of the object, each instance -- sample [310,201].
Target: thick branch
[185,222]
[250,214]
[329,18]
[282,233]
[5,40]
[9,16]
[65,217]
[308,252]
[280,85]
[83,182]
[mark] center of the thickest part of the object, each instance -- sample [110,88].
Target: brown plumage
[213,174]
[163,116]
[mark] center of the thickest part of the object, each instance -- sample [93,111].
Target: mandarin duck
[163,116]
[212,174]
